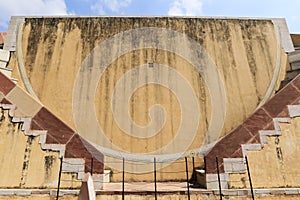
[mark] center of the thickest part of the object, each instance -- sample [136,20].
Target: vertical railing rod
[187,178]
[123,180]
[155,186]
[249,176]
[219,180]
[59,176]
[92,163]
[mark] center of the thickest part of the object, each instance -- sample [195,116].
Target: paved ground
[141,187]
[145,186]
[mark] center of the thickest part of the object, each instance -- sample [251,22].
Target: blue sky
[231,8]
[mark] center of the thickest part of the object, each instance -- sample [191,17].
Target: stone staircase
[252,135]
[294,57]
[54,134]
[37,120]
[294,60]
[4,58]
[9,45]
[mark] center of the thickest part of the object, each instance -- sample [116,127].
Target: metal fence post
[92,163]
[187,177]
[155,186]
[59,176]
[249,176]
[123,180]
[219,180]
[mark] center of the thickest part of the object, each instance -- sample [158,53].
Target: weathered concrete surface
[274,121]
[294,57]
[176,196]
[245,52]
[50,135]
[275,165]
[24,164]
[296,39]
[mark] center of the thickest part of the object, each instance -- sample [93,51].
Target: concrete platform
[147,186]
[143,188]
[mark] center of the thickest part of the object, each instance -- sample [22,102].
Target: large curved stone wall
[74,66]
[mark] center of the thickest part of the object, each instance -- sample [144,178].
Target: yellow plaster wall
[24,164]
[244,51]
[277,164]
[12,147]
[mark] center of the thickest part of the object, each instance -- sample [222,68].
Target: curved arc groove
[21,65]
[137,39]
[277,69]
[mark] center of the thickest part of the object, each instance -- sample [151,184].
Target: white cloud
[185,7]
[98,8]
[116,5]
[112,5]
[29,8]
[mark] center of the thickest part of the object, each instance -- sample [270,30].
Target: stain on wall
[24,164]
[276,164]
